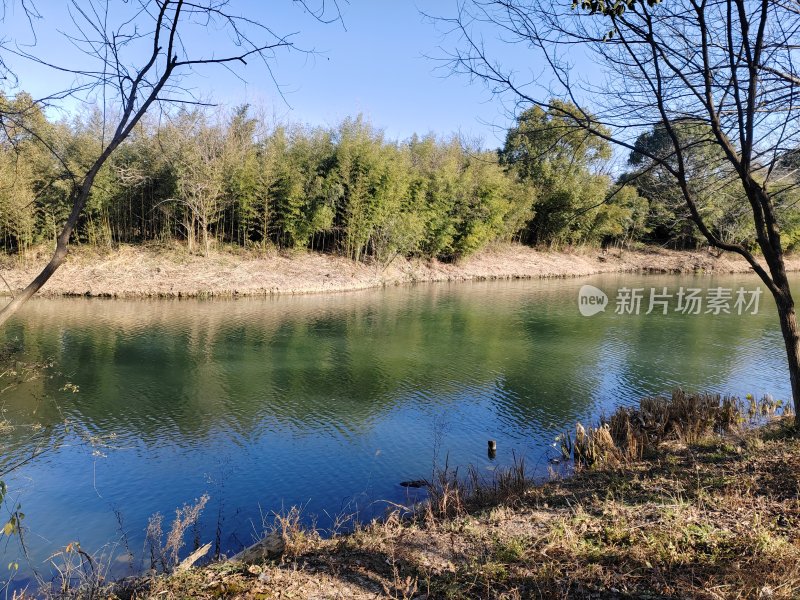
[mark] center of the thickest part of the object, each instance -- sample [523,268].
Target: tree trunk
[791,338]
[265,225]
[188,224]
[206,242]
[62,242]
[34,286]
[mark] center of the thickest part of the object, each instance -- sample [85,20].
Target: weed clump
[631,433]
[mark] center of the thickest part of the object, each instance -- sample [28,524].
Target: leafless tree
[204,156]
[137,55]
[632,65]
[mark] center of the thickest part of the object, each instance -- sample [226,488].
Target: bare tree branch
[730,65]
[137,62]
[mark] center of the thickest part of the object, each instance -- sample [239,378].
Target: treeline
[346,189]
[234,180]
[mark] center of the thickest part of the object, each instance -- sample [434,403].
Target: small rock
[416,483]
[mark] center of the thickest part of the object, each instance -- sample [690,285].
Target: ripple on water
[330,402]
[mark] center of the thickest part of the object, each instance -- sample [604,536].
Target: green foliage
[241,173]
[714,186]
[562,162]
[437,168]
[347,189]
[369,186]
[27,172]
[300,205]
[493,206]
[623,216]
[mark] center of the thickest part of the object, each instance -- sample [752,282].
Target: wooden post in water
[492,449]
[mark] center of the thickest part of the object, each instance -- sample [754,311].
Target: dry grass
[711,510]
[704,515]
[164,554]
[79,575]
[168,270]
[632,433]
[451,496]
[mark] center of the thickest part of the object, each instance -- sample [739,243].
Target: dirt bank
[135,271]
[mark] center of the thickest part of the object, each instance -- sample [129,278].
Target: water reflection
[329,402]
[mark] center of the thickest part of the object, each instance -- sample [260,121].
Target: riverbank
[170,271]
[718,517]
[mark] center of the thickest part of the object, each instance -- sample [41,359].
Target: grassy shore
[170,271]
[714,517]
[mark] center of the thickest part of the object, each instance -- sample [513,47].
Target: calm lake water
[328,402]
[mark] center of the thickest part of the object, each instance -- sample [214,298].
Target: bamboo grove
[209,180]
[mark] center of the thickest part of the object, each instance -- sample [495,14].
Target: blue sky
[374,63]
